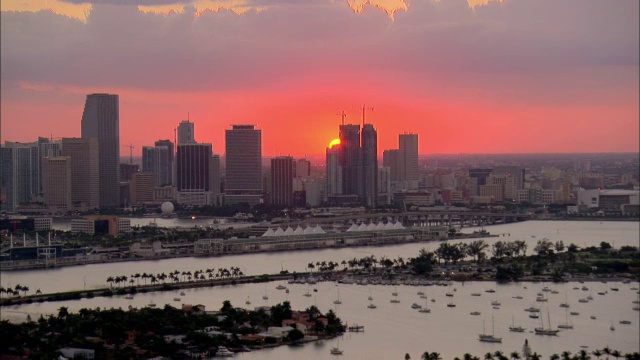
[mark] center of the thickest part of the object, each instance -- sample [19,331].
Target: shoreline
[267,278]
[35,265]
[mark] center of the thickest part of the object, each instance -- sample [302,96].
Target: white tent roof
[268,233]
[398,225]
[289,231]
[371,227]
[298,231]
[388,226]
[278,232]
[362,227]
[308,230]
[380,226]
[353,227]
[318,230]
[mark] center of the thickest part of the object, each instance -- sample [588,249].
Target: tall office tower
[384,185]
[186,133]
[334,171]
[101,120]
[155,160]
[215,180]
[193,163]
[127,171]
[243,181]
[282,180]
[47,147]
[350,158]
[167,171]
[302,169]
[408,151]
[141,188]
[85,171]
[20,173]
[368,186]
[391,159]
[56,183]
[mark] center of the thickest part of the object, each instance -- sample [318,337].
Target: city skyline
[469,77]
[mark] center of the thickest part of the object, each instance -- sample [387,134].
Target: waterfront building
[243,181]
[494,191]
[167,170]
[408,159]
[368,185]
[214,177]
[141,188]
[186,133]
[101,224]
[157,160]
[334,171]
[56,183]
[384,185]
[390,159]
[85,171]
[282,180]
[47,148]
[193,162]
[608,199]
[20,166]
[349,155]
[101,120]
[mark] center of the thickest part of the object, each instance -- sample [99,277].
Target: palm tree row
[16,290]
[176,276]
[565,355]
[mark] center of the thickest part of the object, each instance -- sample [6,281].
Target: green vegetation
[150,332]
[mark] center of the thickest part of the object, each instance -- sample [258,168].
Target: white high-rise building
[186,133]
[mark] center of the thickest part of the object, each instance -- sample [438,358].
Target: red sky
[516,76]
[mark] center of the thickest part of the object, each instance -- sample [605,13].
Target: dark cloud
[119,46]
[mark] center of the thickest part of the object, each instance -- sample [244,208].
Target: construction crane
[343,115]
[131,147]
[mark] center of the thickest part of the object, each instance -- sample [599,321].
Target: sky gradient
[513,76]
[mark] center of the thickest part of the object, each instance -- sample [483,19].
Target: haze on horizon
[483,76]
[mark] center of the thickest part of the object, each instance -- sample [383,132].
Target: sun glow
[333,143]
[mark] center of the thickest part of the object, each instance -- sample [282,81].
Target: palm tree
[554,357]
[597,353]
[535,356]
[426,356]
[607,351]
[435,356]
[583,355]
[616,354]
[515,355]
[488,356]
[566,355]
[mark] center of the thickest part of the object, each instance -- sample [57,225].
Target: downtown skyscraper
[101,120]
[368,185]
[243,182]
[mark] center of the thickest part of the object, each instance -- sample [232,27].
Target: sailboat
[515,328]
[337,301]
[248,302]
[336,350]
[567,324]
[546,331]
[265,297]
[489,337]
[395,291]
[308,293]
[425,308]
[370,296]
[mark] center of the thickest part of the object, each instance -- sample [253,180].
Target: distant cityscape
[72,176]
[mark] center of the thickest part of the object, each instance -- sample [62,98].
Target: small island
[184,333]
